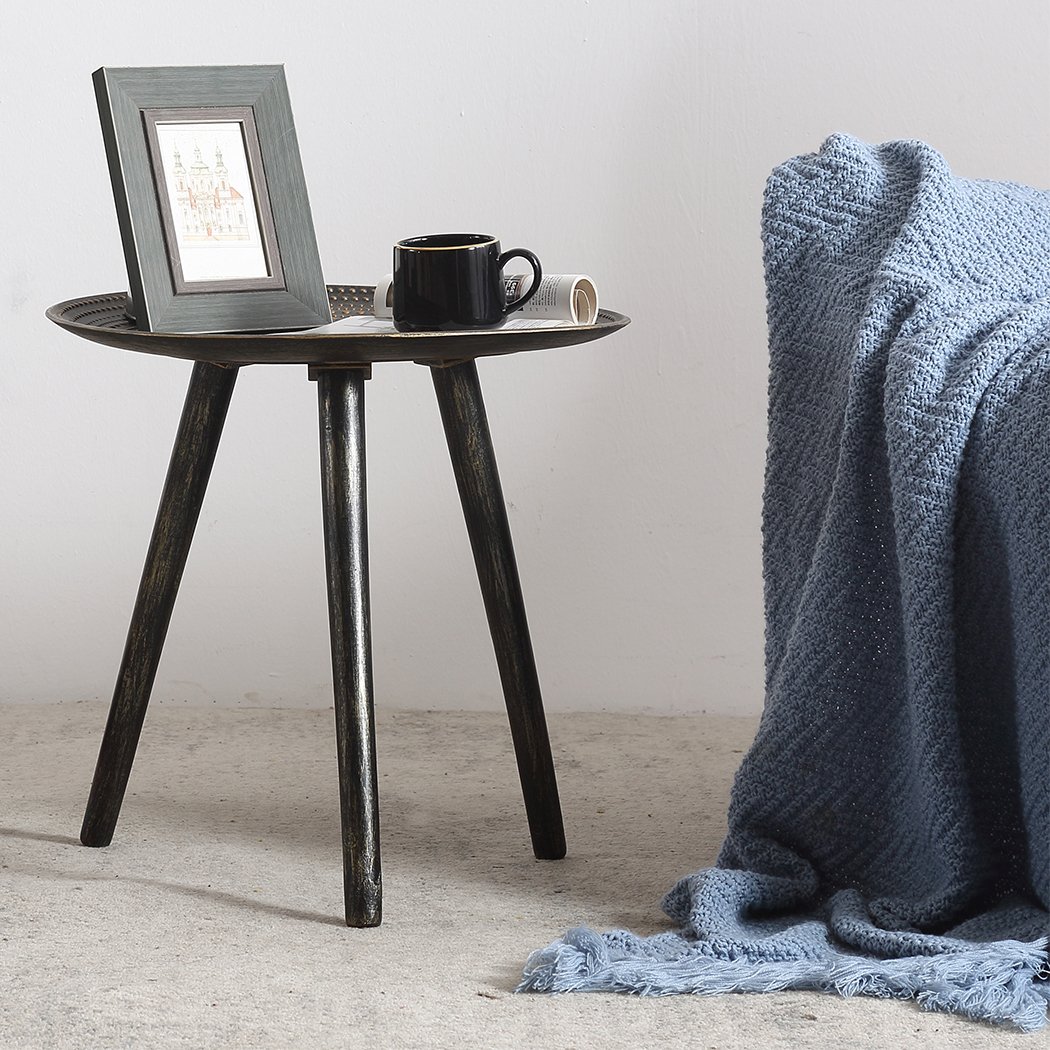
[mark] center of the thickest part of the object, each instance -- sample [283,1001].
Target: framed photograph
[211,199]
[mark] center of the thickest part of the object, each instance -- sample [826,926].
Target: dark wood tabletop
[102,319]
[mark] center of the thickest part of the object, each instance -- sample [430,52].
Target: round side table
[340,362]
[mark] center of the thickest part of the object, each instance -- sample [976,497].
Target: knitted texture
[889,831]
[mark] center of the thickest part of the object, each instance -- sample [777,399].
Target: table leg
[341,394]
[196,442]
[474,463]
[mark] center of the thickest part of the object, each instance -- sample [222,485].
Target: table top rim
[54,313]
[304,346]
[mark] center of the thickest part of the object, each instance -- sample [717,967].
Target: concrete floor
[214,919]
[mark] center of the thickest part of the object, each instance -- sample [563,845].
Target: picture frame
[211,199]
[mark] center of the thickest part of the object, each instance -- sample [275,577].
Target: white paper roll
[383,303]
[560,297]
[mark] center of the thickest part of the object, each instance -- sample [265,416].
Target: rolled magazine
[560,297]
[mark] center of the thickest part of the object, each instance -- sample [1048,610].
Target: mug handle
[537,276]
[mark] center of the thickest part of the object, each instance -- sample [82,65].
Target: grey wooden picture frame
[130,101]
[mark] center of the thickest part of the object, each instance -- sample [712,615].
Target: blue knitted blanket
[889,829]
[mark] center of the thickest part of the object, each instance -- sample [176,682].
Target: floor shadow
[38,836]
[628,840]
[615,883]
[195,892]
[480,842]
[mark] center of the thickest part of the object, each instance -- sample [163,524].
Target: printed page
[366,324]
[562,296]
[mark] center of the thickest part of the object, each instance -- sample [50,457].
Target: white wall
[628,139]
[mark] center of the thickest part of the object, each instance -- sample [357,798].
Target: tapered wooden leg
[341,394]
[474,463]
[203,415]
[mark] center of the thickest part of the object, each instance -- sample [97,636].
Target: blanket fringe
[1002,982]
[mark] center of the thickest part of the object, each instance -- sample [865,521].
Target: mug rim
[464,240]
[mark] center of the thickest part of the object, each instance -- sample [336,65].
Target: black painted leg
[341,394]
[196,442]
[474,463]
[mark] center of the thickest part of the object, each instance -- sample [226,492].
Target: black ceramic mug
[447,281]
